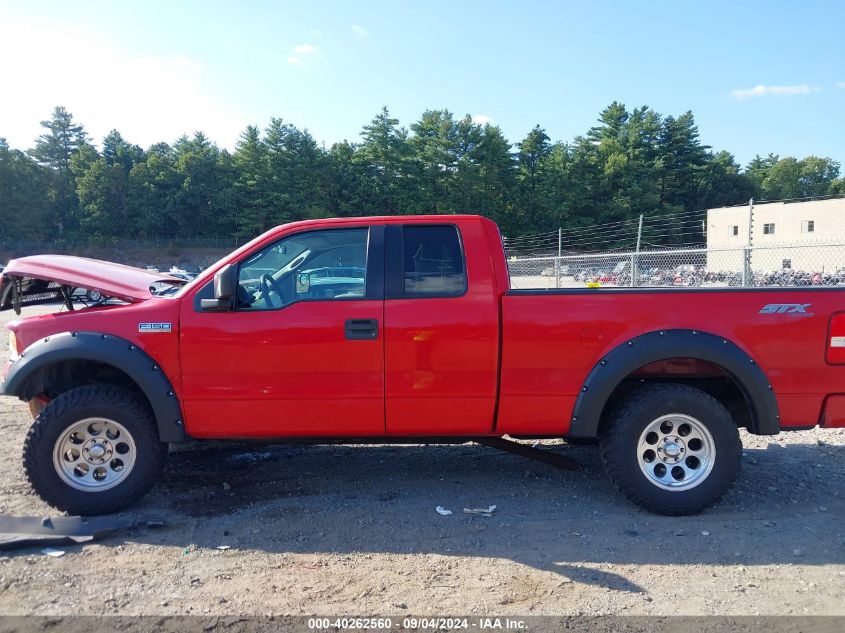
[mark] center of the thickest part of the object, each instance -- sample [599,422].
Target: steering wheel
[265,286]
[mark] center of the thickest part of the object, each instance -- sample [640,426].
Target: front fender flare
[620,362]
[110,350]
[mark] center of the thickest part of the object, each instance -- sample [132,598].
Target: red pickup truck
[406,327]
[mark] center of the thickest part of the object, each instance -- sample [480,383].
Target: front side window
[768,229]
[316,265]
[808,226]
[733,231]
[433,262]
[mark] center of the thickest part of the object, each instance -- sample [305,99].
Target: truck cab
[350,328]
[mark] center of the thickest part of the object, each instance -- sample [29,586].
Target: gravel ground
[341,530]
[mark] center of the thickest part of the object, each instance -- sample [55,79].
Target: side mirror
[225,290]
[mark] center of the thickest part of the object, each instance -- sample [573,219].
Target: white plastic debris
[443,511]
[224,547]
[55,553]
[485,512]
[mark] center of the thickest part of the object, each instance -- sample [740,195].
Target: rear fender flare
[620,362]
[110,350]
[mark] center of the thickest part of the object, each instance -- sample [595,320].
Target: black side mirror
[225,290]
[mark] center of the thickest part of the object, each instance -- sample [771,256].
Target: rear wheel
[671,449]
[93,450]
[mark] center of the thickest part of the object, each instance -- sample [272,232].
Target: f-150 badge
[154,327]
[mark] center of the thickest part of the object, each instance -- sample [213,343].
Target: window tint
[317,265]
[433,262]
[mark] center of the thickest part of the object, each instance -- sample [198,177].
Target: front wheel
[671,449]
[93,450]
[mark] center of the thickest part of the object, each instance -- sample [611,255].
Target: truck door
[441,330]
[302,353]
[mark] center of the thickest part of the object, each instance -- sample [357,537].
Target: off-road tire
[621,435]
[92,401]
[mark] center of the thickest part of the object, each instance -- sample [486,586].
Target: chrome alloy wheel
[94,454]
[676,452]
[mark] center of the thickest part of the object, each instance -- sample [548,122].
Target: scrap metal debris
[18,532]
[485,512]
[55,553]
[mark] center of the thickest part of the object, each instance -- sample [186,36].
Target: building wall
[791,242]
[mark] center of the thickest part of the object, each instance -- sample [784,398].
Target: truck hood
[113,280]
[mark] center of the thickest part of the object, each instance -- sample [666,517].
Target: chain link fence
[821,264]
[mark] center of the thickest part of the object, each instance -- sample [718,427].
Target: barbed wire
[687,228]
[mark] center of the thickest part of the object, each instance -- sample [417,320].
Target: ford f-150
[406,327]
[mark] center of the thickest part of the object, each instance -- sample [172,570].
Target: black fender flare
[110,350]
[620,362]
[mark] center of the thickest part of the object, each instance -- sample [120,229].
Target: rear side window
[433,262]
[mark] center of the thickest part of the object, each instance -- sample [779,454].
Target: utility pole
[746,258]
[559,253]
[635,258]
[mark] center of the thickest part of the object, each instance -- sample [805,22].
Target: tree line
[631,162]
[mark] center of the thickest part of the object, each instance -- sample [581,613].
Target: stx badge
[154,327]
[798,309]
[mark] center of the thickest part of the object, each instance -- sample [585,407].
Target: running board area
[537,454]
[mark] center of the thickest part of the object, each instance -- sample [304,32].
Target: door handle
[361,329]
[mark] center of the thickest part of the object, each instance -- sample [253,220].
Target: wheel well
[710,377]
[55,379]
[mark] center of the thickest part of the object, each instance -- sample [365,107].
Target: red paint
[442,355]
[438,363]
[544,358]
[115,280]
[833,414]
[281,372]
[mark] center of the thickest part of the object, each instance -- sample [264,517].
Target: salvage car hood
[113,280]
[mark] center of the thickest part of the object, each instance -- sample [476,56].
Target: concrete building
[807,235]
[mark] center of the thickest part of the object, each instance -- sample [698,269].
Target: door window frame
[373,272]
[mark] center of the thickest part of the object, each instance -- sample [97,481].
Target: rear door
[441,330]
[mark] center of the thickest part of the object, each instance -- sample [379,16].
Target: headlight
[13,347]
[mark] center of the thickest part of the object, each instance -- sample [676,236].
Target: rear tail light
[836,339]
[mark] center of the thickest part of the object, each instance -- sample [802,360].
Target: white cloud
[293,60]
[481,119]
[147,98]
[305,49]
[360,31]
[840,84]
[763,90]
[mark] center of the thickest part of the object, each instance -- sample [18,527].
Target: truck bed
[552,338]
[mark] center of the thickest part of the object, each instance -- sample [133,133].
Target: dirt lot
[353,530]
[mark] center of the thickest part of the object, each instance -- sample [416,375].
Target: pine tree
[252,212]
[54,149]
